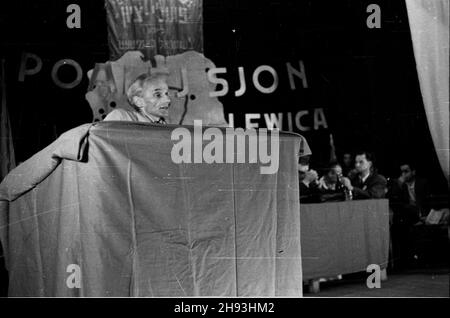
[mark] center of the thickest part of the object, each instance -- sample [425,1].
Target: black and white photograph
[222,155]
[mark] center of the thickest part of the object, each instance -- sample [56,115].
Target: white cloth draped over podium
[429,24]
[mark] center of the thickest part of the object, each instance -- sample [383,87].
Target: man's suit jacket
[309,194]
[374,187]
[404,212]
[422,192]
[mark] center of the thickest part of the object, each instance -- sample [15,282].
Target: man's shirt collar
[363,179]
[154,119]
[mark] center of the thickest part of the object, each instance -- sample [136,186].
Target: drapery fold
[429,24]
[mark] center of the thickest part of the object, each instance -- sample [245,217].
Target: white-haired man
[149,97]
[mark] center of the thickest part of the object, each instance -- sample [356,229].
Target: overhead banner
[165,27]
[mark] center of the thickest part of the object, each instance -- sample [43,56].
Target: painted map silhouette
[109,82]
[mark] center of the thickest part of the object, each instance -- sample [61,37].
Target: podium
[104,211]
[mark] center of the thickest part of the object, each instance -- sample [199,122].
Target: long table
[343,237]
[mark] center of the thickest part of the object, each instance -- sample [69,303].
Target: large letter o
[265,90]
[66,62]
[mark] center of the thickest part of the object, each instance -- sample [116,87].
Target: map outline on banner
[190,88]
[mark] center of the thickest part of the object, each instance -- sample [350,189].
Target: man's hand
[346,182]
[352,173]
[310,176]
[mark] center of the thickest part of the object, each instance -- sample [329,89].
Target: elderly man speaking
[149,96]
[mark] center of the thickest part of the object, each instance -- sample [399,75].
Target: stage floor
[424,282]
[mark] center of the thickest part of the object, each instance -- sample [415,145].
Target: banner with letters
[165,27]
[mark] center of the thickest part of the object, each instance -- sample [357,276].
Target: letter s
[215,80]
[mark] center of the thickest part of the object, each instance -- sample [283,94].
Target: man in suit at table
[409,199]
[308,186]
[367,184]
[409,196]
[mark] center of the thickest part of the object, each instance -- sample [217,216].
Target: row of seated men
[338,183]
[416,215]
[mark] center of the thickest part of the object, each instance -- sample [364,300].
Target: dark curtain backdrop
[365,79]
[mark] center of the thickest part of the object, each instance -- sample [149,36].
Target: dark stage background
[364,79]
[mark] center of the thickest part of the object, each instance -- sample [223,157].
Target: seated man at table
[415,230]
[330,185]
[149,97]
[409,196]
[367,184]
[348,167]
[308,185]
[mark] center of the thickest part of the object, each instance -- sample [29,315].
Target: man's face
[156,99]
[407,173]
[347,159]
[362,164]
[302,167]
[338,171]
[332,176]
[303,164]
